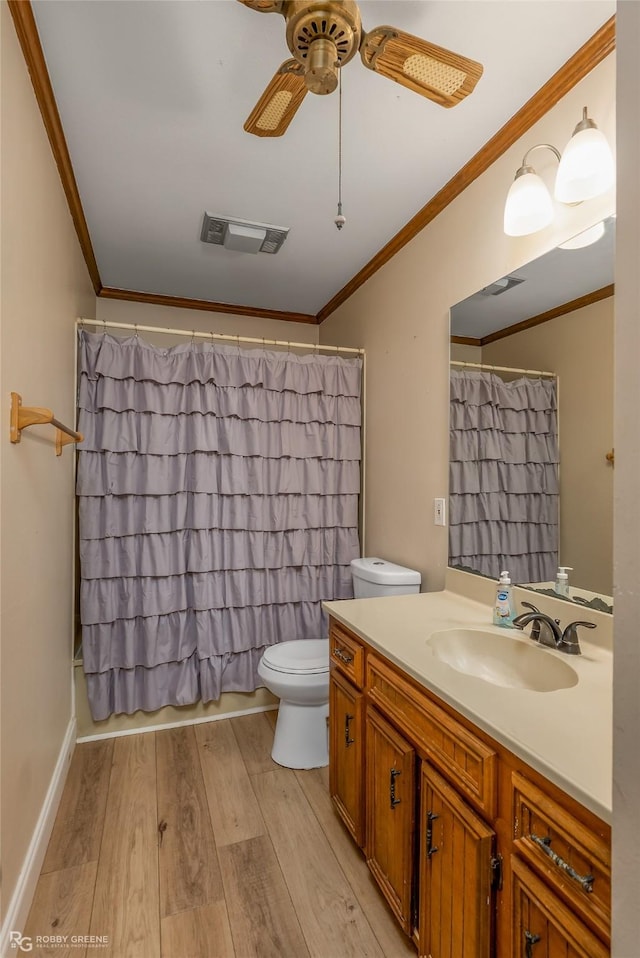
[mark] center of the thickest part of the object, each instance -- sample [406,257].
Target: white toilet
[298,672]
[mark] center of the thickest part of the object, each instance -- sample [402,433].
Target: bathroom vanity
[482,809]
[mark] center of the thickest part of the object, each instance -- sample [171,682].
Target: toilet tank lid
[373,569]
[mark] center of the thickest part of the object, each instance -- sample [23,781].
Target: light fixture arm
[585,123]
[525,168]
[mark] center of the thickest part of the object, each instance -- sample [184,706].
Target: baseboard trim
[179,724]
[22,896]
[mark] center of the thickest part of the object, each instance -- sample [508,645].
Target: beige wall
[401,317]
[118,311]
[44,286]
[626,674]
[466,354]
[579,348]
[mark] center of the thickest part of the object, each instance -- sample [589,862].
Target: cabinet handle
[343,656]
[431,848]
[392,787]
[347,741]
[530,940]
[585,881]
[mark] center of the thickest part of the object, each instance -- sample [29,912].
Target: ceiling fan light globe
[586,169]
[528,207]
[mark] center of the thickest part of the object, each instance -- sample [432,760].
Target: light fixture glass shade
[529,206]
[585,238]
[586,168]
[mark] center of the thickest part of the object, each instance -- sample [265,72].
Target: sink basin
[504,660]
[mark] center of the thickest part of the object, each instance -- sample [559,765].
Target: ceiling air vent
[242,235]
[501,286]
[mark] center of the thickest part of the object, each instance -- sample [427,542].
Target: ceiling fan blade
[264,6]
[277,106]
[436,73]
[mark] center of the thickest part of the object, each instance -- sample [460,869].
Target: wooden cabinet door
[542,926]
[346,753]
[456,846]
[390,800]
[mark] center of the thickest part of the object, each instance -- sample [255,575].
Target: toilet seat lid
[299,655]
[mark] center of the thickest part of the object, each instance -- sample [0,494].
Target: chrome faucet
[547,631]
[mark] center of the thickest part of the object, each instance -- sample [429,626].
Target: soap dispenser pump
[562,580]
[503,610]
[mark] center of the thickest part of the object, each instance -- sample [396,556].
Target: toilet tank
[375,577]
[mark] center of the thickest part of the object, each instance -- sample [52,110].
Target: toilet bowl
[298,673]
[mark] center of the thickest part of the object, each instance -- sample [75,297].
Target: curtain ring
[238,342]
[136,330]
[104,328]
[193,337]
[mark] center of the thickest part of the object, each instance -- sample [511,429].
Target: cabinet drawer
[542,925]
[347,654]
[463,758]
[575,859]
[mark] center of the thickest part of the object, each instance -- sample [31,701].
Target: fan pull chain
[340,220]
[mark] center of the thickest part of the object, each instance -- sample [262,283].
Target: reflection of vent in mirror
[501,286]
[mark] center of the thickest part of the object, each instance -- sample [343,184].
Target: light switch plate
[439,512]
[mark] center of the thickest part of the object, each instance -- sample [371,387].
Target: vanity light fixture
[586,170]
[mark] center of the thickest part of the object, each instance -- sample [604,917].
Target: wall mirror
[531,422]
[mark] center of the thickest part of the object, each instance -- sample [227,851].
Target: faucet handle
[570,643]
[535,625]
[529,605]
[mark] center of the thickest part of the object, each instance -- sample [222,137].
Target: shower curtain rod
[192,334]
[503,369]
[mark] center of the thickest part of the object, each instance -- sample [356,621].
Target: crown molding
[599,46]
[156,299]
[594,297]
[465,341]
[27,31]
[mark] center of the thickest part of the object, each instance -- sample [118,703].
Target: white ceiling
[153,95]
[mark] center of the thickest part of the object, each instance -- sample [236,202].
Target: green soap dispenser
[503,610]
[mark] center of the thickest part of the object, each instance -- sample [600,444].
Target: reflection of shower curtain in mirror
[503,482]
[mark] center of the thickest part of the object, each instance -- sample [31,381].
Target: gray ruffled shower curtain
[503,477]
[218,506]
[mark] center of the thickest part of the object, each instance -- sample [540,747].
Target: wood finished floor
[193,843]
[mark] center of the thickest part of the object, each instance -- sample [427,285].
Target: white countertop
[566,734]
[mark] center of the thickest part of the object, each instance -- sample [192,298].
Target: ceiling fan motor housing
[323,36]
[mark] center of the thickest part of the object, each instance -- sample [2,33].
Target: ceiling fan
[323,35]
